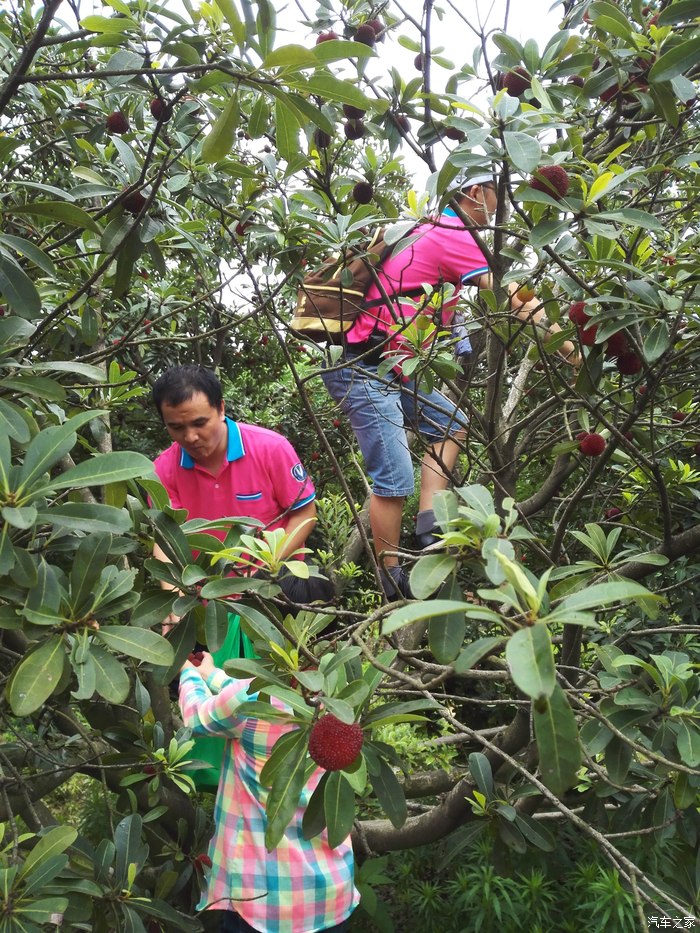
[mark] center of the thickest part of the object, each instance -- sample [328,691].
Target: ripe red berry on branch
[591,445]
[577,313]
[117,122]
[552,180]
[333,744]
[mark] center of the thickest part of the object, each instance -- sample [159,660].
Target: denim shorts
[381,411]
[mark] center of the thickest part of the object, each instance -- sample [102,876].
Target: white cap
[466,180]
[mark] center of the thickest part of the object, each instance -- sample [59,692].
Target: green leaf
[688,742]
[480,769]
[339,808]
[285,792]
[286,130]
[220,140]
[87,566]
[18,290]
[547,231]
[49,446]
[54,842]
[291,56]
[12,423]
[130,849]
[216,622]
[557,741]
[657,341]
[679,11]
[228,8]
[102,469]
[170,537]
[21,518]
[676,61]
[416,612]
[389,792]
[473,653]
[337,49]
[535,833]
[524,151]
[314,820]
[531,662]
[31,252]
[138,643]
[446,633]
[108,24]
[600,595]
[112,681]
[618,758]
[58,212]
[330,88]
[37,676]
[86,517]
[429,572]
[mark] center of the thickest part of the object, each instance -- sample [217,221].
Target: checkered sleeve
[207,713]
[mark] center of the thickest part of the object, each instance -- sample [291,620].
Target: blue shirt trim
[234,447]
[303,502]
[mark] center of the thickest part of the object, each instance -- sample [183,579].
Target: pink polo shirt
[262,478]
[444,251]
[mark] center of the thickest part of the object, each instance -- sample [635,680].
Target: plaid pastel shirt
[302,885]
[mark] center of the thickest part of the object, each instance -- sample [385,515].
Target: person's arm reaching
[532,312]
[299,526]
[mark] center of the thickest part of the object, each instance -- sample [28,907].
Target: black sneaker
[395,583]
[427,539]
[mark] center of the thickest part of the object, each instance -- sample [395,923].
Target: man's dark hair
[179,383]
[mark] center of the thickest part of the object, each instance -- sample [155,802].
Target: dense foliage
[167,174]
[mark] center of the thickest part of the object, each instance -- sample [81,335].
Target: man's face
[480,203]
[198,427]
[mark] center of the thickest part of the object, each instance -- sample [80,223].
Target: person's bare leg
[433,476]
[385,514]
[439,460]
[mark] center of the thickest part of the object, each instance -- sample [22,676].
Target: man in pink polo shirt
[219,468]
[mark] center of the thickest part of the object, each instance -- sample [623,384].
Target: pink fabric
[445,252]
[262,479]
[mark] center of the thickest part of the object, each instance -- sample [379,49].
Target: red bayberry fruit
[134,202]
[326,36]
[418,62]
[315,455]
[333,744]
[117,122]
[552,180]
[616,345]
[679,416]
[337,422]
[203,860]
[402,123]
[160,110]
[377,27]
[451,132]
[149,769]
[322,140]
[697,449]
[363,192]
[629,364]
[592,445]
[516,81]
[577,313]
[354,129]
[353,113]
[612,513]
[264,340]
[587,335]
[365,34]
[577,80]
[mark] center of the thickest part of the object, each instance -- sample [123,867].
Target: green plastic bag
[210,748]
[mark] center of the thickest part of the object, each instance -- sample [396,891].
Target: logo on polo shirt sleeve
[299,473]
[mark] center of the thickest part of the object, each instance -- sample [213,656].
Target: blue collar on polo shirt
[449,212]
[234,446]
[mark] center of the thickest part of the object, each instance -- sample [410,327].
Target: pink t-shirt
[445,251]
[261,478]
